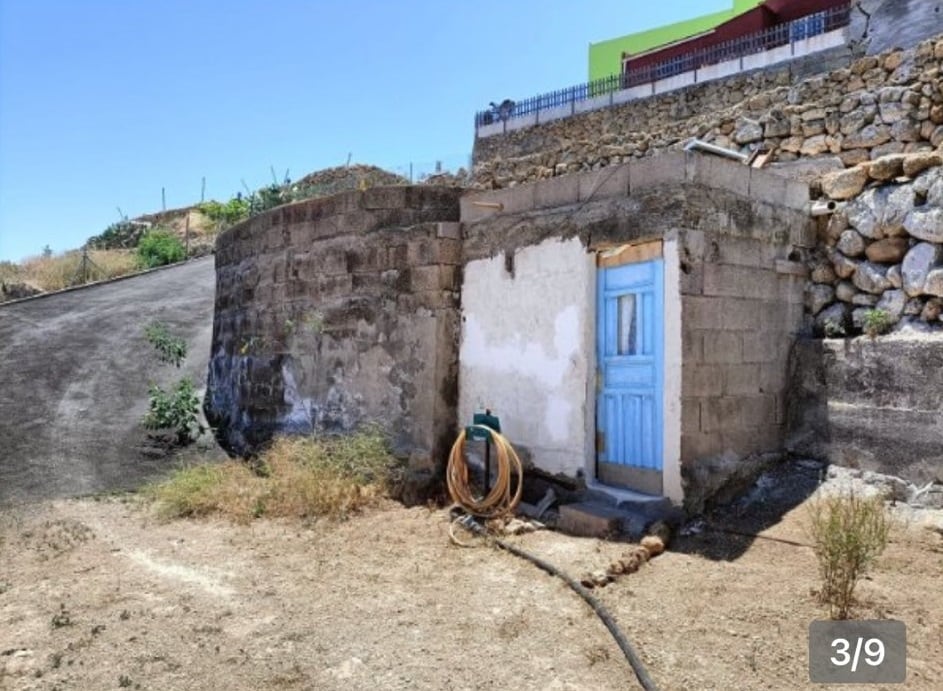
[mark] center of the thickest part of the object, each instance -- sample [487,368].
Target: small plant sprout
[876,322]
[170,349]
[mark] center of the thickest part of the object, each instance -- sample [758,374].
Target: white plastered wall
[528,354]
[527,350]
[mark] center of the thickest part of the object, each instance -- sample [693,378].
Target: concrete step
[646,507]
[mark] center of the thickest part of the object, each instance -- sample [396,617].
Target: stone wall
[879,264]
[337,311]
[871,404]
[888,103]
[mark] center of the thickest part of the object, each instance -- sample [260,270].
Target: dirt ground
[98,594]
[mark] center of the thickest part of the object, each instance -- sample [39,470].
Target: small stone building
[632,325]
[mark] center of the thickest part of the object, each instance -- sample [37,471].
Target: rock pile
[884,249]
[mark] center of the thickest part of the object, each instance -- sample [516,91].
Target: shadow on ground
[726,532]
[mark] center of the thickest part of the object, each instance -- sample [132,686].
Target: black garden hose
[469,523]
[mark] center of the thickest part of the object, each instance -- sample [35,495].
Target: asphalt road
[74,374]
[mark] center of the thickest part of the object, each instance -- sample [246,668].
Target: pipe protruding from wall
[699,145]
[824,207]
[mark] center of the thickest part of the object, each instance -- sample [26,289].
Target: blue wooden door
[630,359]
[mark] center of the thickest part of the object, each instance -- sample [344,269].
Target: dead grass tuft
[62,271]
[298,477]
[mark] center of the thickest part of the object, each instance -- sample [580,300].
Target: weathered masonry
[336,311]
[632,325]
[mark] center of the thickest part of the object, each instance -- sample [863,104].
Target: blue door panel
[630,357]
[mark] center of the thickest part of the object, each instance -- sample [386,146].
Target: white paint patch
[300,412]
[557,418]
[202,578]
[521,356]
[671,447]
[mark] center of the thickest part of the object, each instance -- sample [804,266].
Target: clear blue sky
[104,102]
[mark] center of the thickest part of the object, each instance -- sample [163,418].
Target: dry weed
[298,477]
[63,271]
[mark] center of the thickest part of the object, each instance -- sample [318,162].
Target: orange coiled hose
[499,501]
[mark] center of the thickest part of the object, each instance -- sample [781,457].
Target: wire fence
[749,44]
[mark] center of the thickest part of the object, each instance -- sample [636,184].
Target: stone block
[558,191]
[384,198]
[590,520]
[692,345]
[611,181]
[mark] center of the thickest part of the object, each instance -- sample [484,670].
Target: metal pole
[202,189]
[163,199]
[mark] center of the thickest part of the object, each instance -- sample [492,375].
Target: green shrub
[233,211]
[170,349]
[159,247]
[876,322]
[848,534]
[177,410]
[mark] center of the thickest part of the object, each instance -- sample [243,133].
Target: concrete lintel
[668,168]
[611,181]
[478,205]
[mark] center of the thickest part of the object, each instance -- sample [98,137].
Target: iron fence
[749,44]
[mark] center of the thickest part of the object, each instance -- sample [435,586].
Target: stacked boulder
[883,250]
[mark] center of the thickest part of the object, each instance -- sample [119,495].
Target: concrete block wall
[337,311]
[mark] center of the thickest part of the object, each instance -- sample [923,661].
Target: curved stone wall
[336,311]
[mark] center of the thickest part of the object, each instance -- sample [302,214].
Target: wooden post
[186,233]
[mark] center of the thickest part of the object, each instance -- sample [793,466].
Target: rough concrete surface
[74,374]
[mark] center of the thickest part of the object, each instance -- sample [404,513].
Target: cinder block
[590,520]
[762,347]
[701,445]
[717,173]
[611,181]
[657,171]
[767,186]
[558,191]
[691,417]
[722,347]
[692,345]
[739,281]
[741,379]
[699,312]
[738,314]
[721,414]
[449,229]
[702,380]
[478,205]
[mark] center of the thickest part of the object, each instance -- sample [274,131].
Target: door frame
[666,248]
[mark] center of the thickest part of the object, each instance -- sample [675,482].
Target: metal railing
[749,44]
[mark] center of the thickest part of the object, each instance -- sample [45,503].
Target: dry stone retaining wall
[880,104]
[884,250]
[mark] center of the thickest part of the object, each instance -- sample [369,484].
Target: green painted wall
[605,57]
